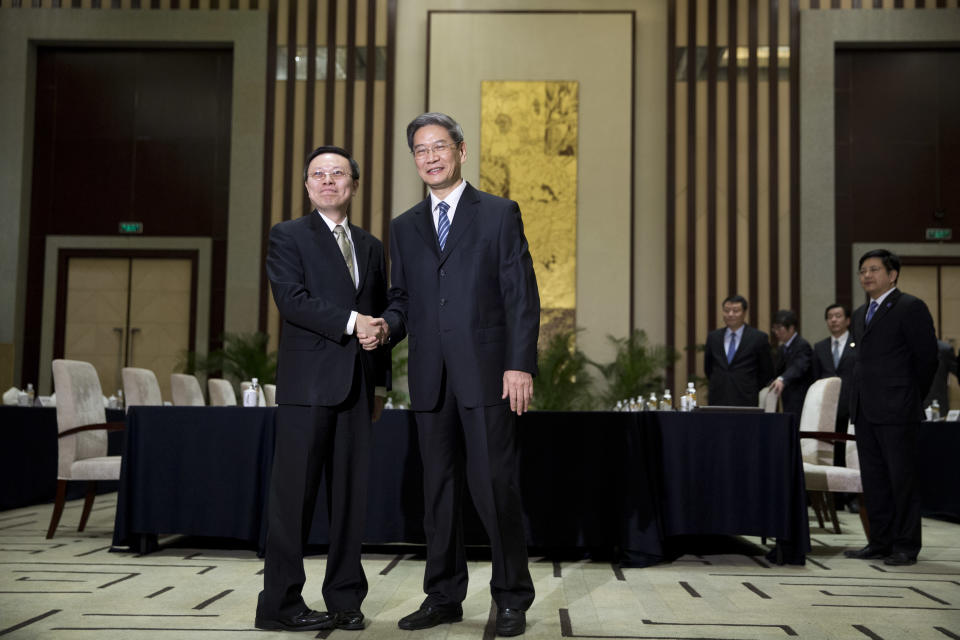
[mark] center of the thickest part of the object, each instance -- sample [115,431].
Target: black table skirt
[939,478]
[28,457]
[624,481]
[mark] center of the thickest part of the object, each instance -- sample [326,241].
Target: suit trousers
[888,468]
[477,445]
[310,441]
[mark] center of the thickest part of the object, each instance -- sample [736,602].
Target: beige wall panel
[704,271]
[544,50]
[278,181]
[743,199]
[382,17]
[723,16]
[320,112]
[721,271]
[764,249]
[783,181]
[341,22]
[303,24]
[682,16]
[298,149]
[703,17]
[362,14]
[283,13]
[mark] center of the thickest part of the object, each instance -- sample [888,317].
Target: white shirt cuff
[351,323]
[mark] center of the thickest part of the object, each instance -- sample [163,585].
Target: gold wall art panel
[528,153]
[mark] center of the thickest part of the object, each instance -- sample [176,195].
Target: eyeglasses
[421,152]
[871,270]
[336,174]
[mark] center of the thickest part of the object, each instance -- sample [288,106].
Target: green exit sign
[131,227]
[939,233]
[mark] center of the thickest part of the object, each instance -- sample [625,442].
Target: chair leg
[831,508]
[88,503]
[863,516]
[814,500]
[57,507]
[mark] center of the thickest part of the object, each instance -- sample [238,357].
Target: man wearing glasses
[464,291]
[328,280]
[896,362]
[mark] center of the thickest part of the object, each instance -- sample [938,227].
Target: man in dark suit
[328,280]
[835,356]
[737,359]
[464,291]
[896,361]
[793,362]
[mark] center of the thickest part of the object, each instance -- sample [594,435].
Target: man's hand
[518,385]
[371,332]
[777,386]
[378,402]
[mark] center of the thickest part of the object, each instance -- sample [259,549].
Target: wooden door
[129,312]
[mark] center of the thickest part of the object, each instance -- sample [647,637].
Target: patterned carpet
[73,587]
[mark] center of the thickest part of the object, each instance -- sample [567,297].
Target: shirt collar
[452,199]
[332,225]
[883,297]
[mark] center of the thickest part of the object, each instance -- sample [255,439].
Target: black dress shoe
[349,620]
[899,559]
[430,615]
[511,622]
[869,552]
[306,620]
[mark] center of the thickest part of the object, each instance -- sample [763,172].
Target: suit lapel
[362,247]
[328,245]
[467,210]
[882,310]
[424,224]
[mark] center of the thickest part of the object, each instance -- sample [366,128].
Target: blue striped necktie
[870,311]
[443,224]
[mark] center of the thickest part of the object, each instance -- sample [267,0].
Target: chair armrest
[828,436]
[102,426]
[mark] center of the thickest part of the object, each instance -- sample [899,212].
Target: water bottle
[666,401]
[251,395]
[31,395]
[935,410]
[692,392]
[652,404]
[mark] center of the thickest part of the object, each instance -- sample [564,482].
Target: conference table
[939,474]
[28,457]
[637,484]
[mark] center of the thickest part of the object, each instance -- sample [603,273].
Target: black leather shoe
[306,620]
[899,559]
[430,616]
[869,552]
[349,620]
[511,622]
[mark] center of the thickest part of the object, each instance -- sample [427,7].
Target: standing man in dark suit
[737,359]
[835,356]
[793,362]
[328,280]
[940,389]
[896,361]
[464,291]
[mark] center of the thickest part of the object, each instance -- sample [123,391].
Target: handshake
[372,332]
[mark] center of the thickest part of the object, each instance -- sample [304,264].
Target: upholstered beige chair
[82,440]
[221,393]
[270,394]
[818,435]
[186,390]
[140,387]
[768,401]
[246,385]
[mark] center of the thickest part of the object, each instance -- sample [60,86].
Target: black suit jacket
[315,295]
[473,308]
[896,361]
[794,366]
[823,368]
[738,383]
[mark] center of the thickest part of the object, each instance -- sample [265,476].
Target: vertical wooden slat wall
[732,157]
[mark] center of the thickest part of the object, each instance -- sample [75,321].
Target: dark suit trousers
[479,446]
[311,440]
[888,468]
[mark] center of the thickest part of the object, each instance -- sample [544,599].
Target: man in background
[896,361]
[835,356]
[737,359]
[793,362]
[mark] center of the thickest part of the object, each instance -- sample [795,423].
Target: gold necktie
[345,250]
